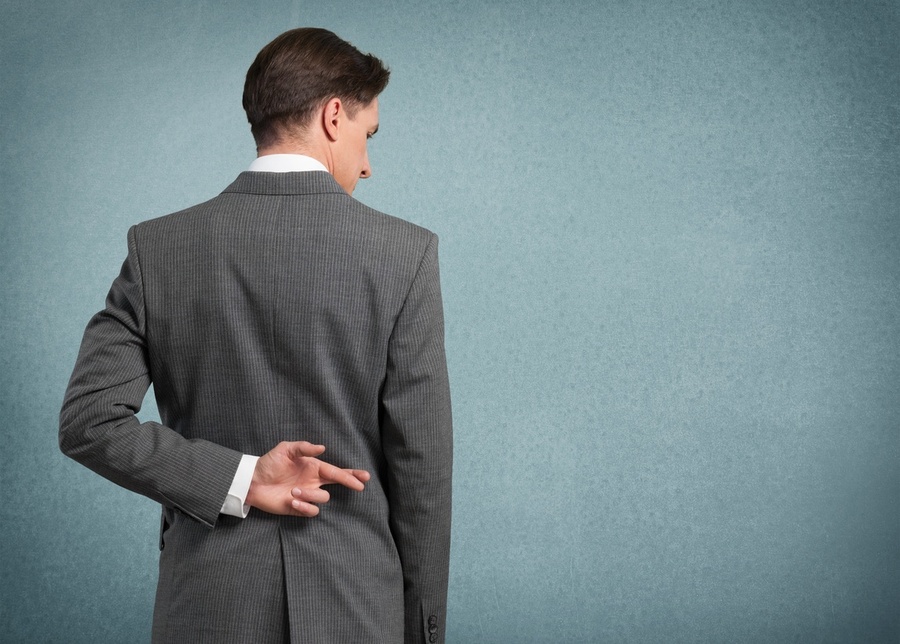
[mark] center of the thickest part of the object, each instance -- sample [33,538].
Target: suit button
[432,620]
[432,629]
[432,638]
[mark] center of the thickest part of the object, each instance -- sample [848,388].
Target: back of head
[297,72]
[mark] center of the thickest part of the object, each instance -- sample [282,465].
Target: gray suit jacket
[283,309]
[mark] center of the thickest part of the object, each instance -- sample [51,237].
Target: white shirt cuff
[237,494]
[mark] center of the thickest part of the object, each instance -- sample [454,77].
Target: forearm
[420,491]
[193,476]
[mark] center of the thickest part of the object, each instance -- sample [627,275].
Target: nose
[366,171]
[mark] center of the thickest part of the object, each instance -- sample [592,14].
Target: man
[282,310]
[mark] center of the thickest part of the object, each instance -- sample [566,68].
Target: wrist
[247,471]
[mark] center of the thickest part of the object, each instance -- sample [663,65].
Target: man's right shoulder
[179,217]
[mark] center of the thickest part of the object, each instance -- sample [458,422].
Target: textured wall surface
[670,244]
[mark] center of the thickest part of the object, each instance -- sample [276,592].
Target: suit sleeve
[418,445]
[98,426]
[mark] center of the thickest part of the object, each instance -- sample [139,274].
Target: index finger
[362,475]
[347,478]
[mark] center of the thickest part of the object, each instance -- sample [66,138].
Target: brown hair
[297,72]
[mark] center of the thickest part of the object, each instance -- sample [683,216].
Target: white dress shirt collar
[286,163]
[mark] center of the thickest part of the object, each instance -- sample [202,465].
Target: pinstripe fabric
[282,309]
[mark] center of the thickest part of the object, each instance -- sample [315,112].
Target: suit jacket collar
[285,183]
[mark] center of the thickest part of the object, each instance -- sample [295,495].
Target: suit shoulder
[394,226]
[175,219]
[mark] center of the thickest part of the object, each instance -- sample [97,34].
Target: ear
[332,115]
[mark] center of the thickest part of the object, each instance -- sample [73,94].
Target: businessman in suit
[274,319]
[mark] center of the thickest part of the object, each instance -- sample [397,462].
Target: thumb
[298,449]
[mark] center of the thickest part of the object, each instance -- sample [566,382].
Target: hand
[288,480]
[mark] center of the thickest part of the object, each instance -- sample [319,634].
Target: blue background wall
[670,241]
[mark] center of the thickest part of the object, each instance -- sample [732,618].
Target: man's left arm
[417,434]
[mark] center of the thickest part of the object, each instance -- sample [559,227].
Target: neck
[288,148]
